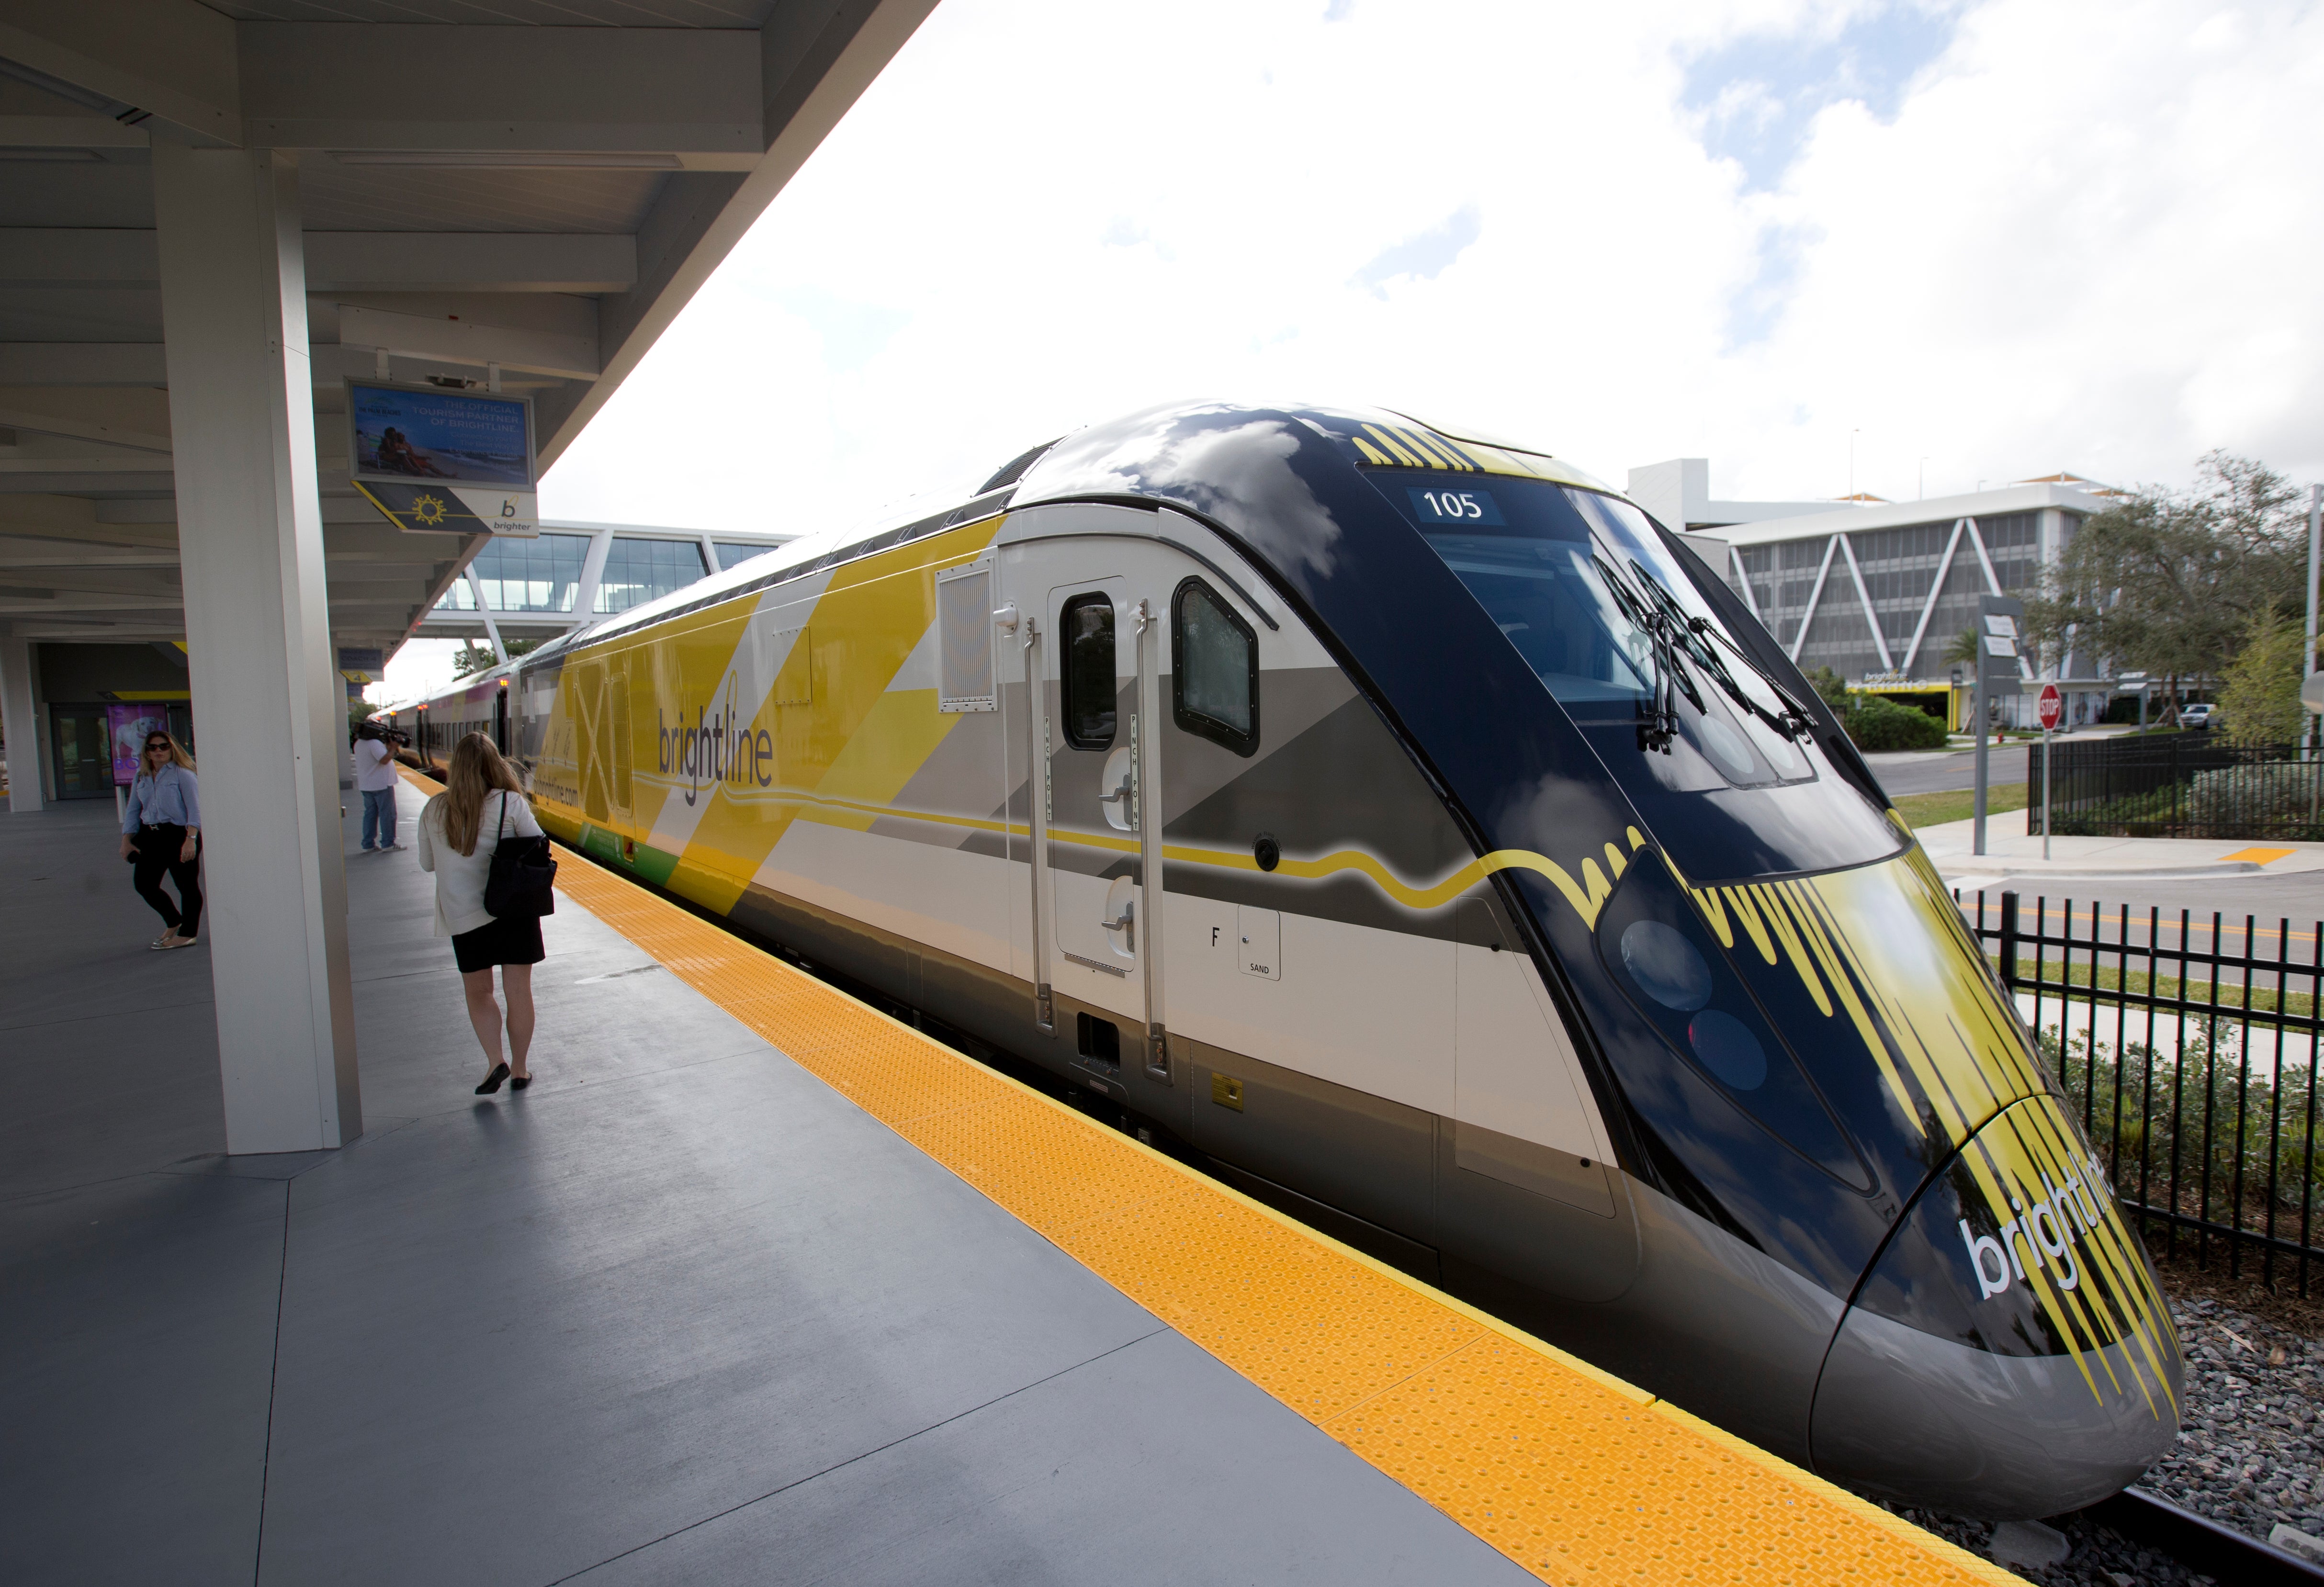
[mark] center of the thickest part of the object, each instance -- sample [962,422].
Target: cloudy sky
[1965,241]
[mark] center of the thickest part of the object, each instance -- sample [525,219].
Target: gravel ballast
[2246,1454]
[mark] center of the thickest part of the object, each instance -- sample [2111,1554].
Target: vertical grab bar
[1144,776]
[1036,800]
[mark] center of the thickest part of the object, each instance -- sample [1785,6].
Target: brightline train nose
[2009,1355]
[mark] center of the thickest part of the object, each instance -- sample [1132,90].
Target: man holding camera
[376,779]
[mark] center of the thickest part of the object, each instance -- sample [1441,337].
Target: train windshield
[1615,632]
[1604,615]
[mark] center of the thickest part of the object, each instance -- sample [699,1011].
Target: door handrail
[1147,805]
[1037,788]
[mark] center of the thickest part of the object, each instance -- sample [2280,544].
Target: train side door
[1095,649]
[1093,859]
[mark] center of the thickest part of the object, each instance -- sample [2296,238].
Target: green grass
[1933,809]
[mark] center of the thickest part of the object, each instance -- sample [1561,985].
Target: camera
[394,736]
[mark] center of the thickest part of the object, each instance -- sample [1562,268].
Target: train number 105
[1443,506]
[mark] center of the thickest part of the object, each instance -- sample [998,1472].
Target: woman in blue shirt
[161,830]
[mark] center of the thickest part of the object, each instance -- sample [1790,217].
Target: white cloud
[2061,234]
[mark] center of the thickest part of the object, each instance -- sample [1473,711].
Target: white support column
[250,537]
[592,569]
[1743,580]
[1823,571]
[1863,599]
[20,723]
[1984,558]
[484,611]
[1936,592]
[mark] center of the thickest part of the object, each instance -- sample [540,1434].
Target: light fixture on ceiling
[510,158]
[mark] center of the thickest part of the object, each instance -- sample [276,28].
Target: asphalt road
[1935,771]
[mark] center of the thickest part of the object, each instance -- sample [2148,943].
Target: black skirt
[514,940]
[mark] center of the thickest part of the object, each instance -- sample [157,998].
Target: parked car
[2197,716]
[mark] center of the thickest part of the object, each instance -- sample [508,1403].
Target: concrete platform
[681,1312]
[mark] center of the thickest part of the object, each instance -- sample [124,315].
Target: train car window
[1085,628]
[1214,668]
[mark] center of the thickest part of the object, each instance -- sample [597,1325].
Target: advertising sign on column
[126,726]
[437,459]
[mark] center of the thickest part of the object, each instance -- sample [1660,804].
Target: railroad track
[2202,1544]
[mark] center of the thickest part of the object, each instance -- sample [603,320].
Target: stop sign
[2054,708]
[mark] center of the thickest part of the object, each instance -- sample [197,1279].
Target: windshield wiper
[1659,725]
[1671,635]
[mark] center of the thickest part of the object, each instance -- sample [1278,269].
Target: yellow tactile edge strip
[1574,1474]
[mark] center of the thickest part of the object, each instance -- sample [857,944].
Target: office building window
[733,553]
[641,569]
[524,575]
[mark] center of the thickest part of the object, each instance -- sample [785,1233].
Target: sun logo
[428,510]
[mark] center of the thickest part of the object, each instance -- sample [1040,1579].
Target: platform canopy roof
[536,184]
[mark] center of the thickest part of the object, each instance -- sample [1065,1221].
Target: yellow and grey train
[1413,826]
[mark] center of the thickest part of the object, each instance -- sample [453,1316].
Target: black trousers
[158,848]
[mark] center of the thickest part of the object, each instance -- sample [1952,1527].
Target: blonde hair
[476,770]
[177,752]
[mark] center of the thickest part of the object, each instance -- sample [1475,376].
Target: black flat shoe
[492,1081]
[518,1081]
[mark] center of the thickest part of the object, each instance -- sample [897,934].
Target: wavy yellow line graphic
[1587,895]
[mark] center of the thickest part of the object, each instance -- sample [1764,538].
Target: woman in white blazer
[459,828]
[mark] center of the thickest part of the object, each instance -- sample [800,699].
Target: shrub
[2270,797]
[1875,723]
[2190,1123]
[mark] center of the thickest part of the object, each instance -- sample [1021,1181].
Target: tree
[472,658]
[1961,651]
[2172,582]
[2261,698]
[1833,688]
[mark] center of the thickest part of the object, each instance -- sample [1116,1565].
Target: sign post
[1996,658]
[2315,549]
[2054,708]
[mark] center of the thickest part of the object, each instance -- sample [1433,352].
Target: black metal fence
[2189,1048]
[2177,785]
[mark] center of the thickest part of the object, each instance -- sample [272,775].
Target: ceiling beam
[409,87]
[93,130]
[469,261]
[18,551]
[77,256]
[82,364]
[169,66]
[56,605]
[467,342]
[342,262]
[83,430]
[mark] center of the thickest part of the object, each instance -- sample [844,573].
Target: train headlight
[1658,952]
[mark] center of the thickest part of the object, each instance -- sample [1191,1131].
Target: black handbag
[524,874]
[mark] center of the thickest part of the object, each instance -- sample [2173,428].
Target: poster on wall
[126,726]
